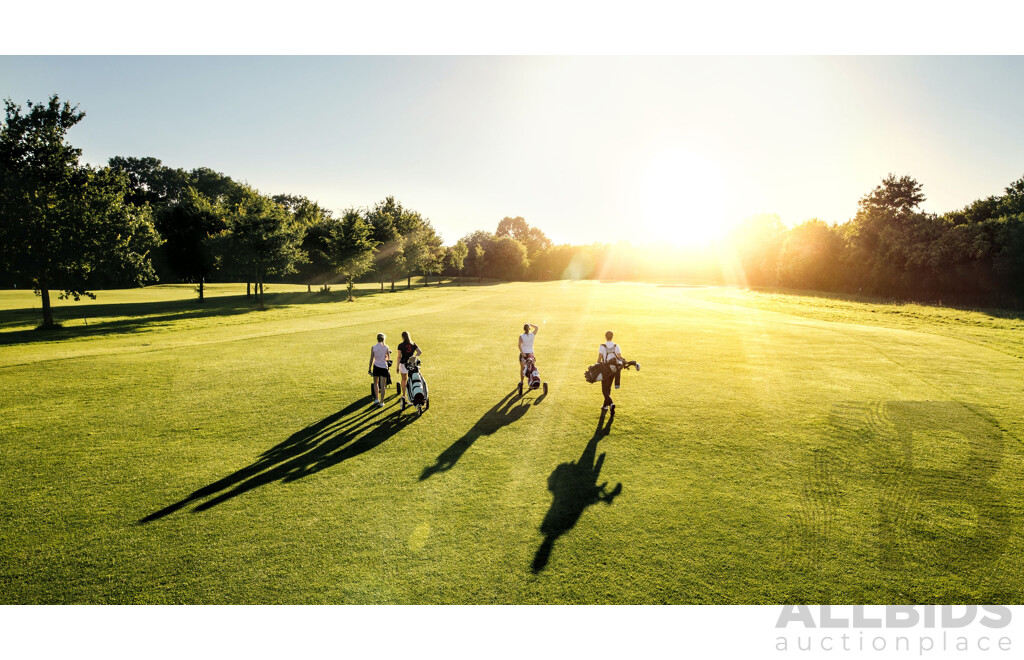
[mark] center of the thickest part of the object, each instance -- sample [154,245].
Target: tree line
[892,248]
[71,228]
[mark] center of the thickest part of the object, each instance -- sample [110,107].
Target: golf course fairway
[773,448]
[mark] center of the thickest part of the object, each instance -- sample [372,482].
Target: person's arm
[418,351]
[370,368]
[520,343]
[600,353]
[535,328]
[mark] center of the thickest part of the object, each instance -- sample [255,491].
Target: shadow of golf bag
[611,369]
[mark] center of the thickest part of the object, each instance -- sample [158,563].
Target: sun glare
[681,203]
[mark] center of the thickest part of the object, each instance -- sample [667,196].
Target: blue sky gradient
[588,148]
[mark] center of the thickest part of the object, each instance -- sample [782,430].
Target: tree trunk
[409,283]
[47,310]
[201,289]
[392,284]
[247,294]
[382,282]
[309,288]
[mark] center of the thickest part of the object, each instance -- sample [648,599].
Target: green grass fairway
[773,448]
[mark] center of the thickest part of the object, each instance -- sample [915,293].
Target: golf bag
[415,386]
[611,368]
[531,373]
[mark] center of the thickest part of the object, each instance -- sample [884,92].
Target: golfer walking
[379,356]
[526,348]
[610,355]
[406,350]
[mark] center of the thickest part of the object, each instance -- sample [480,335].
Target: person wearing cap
[609,354]
[379,357]
[526,347]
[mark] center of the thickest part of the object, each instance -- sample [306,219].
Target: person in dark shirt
[406,350]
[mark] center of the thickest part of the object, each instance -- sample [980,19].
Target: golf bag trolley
[415,387]
[387,383]
[532,375]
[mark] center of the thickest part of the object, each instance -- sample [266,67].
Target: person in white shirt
[526,347]
[607,353]
[379,356]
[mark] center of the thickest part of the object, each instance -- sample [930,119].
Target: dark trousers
[606,387]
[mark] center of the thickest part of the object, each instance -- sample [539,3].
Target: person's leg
[606,389]
[376,389]
[405,377]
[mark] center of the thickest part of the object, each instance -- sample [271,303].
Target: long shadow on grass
[574,487]
[136,317]
[316,447]
[502,414]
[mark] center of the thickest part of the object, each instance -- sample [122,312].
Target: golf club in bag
[415,387]
[533,381]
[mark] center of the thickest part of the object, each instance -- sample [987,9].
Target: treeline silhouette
[164,224]
[891,248]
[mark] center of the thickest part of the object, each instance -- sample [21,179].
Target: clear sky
[588,148]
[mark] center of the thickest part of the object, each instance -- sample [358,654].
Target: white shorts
[402,369]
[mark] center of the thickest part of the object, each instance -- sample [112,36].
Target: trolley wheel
[427,407]
[419,411]
[403,404]
[520,389]
[545,388]
[398,389]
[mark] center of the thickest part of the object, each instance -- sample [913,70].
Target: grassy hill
[774,448]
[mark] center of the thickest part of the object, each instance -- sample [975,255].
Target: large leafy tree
[150,181]
[261,239]
[532,237]
[354,249]
[423,249]
[63,224]
[319,227]
[188,226]
[809,256]
[456,257]
[390,222]
[506,259]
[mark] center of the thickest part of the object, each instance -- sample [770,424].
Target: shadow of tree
[574,488]
[129,317]
[336,438]
[502,414]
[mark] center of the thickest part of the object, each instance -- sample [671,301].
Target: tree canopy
[65,225]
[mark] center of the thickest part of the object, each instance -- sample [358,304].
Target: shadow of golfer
[502,414]
[336,438]
[574,487]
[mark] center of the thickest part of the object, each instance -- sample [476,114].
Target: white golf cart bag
[416,387]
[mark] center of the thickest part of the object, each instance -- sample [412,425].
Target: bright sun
[682,201]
